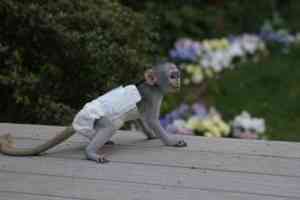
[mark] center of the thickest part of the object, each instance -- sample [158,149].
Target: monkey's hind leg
[104,131]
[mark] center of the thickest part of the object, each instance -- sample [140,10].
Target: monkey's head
[165,76]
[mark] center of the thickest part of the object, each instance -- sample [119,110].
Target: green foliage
[290,11]
[203,18]
[269,89]
[56,55]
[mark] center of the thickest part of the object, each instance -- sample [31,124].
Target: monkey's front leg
[167,139]
[104,131]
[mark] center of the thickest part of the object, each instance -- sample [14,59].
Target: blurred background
[239,59]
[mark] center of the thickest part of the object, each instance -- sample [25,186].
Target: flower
[195,72]
[235,50]
[199,110]
[211,125]
[215,55]
[245,126]
[186,50]
[250,43]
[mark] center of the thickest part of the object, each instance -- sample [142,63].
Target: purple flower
[199,110]
[183,109]
[186,50]
[175,115]
[276,37]
[232,38]
[164,122]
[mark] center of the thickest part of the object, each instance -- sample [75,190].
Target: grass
[268,89]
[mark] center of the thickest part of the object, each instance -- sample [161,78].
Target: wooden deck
[208,169]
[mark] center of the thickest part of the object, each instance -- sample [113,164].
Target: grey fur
[147,116]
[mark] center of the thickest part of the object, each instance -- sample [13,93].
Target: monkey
[100,118]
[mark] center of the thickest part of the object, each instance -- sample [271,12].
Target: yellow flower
[192,123]
[209,73]
[224,43]
[186,81]
[215,131]
[198,75]
[207,44]
[226,129]
[208,134]
[189,68]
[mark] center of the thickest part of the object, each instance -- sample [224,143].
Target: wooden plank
[164,156]
[73,188]
[156,175]
[23,196]
[232,146]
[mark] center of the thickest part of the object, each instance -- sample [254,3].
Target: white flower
[206,61]
[235,49]
[179,123]
[245,121]
[258,125]
[250,43]
[297,38]
[197,78]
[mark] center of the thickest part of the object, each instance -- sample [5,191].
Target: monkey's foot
[102,160]
[152,138]
[109,142]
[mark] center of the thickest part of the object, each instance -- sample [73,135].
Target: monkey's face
[169,79]
[165,76]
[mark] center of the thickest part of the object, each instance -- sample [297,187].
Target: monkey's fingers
[181,143]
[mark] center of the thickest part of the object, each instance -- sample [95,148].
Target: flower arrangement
[195,119]
[210,126]
[274,30]
[247,127]
[208,58]
[202,60]
[186,50]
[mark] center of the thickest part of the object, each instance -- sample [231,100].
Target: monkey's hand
[176,142]
[181,143]
[167,139]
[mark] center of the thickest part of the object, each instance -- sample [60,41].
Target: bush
[268,89]
[56,55]
[290,12]
[203,18]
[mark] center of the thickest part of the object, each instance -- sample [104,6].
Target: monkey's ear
[150,77]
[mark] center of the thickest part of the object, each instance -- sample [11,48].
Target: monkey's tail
[7,145]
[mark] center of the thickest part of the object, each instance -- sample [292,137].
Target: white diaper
[113,104]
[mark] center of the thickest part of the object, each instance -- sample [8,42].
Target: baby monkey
[101,118]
